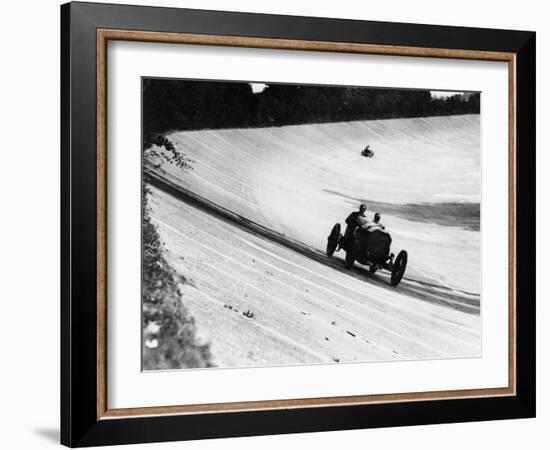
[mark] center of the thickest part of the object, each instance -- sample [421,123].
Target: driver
[353,221]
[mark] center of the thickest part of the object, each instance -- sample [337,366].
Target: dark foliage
[170,105]
[169,332]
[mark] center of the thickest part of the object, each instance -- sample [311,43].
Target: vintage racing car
[371,248]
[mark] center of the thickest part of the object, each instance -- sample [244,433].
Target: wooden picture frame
[86,418]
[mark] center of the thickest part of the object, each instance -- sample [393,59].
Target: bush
[155,156]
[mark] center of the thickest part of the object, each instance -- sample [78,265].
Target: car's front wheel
[332,240]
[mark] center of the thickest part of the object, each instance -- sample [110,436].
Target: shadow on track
[422,290]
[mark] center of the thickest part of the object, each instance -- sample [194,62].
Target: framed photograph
[277,224]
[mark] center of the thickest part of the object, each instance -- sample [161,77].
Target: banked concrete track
[248,228]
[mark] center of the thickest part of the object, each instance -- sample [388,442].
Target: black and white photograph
[291,224]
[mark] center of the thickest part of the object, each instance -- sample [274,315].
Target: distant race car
[367,151]
[371,248]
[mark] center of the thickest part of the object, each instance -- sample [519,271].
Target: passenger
[371,225]
[377,221]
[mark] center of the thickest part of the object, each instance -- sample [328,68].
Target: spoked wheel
[350,256]
[332,241]
[399,268]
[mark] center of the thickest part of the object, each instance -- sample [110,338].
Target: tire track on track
[395,312]
[366,318]
[435,351]
[168,183]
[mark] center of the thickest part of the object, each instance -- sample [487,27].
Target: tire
[399,268]
[350,256]
[332,240]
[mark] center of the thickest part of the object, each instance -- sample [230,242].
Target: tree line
[170,105]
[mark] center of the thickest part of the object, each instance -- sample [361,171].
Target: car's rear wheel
[399,267]
[332,241]
[350,255]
